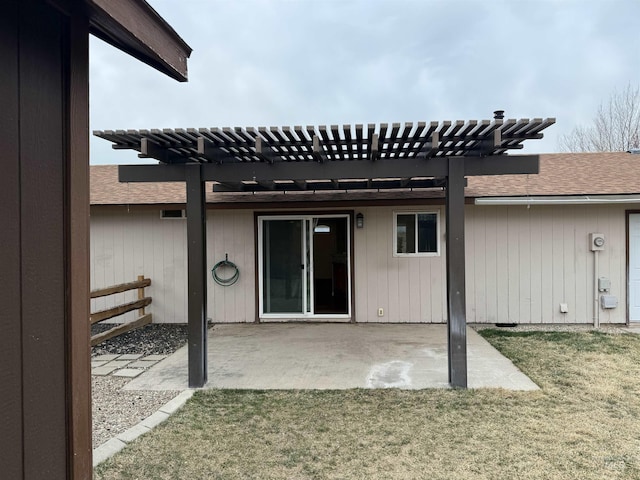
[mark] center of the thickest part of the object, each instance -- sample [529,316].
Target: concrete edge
[114,445]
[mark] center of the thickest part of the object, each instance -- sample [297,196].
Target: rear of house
[380,256]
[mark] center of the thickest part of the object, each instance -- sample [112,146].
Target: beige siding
[232,233]
[127,243]
[521,264]
[407,289]
[538,258]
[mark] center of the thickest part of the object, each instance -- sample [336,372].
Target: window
[415,233]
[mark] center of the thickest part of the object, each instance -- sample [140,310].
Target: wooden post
[141,295]
[456,307]
[197,276]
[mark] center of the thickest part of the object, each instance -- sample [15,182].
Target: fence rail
[139,304]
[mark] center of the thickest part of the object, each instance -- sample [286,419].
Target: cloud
[276,62]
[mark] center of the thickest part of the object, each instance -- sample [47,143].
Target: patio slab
[334,356]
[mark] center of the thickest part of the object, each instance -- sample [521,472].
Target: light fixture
[359,220]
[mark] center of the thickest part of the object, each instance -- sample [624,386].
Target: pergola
[420,155]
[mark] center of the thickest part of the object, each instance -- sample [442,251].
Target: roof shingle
[560,174]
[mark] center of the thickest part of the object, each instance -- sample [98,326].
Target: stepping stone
[130,356]
[98,363]
[117,363]
[143,363]
[106,357]
[102,371]
[154,357]
[128,372]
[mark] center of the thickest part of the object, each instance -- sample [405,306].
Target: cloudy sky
[311,62]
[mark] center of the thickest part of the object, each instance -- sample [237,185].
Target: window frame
[415,213]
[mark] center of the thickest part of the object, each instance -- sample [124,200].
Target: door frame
[628,213]
[303,215]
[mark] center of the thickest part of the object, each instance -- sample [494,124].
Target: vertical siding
[540,257]
[232,233]
[408,289]
[521,264]
[126,243]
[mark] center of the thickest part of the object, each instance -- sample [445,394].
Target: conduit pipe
[596,303]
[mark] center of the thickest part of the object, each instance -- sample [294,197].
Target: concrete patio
[334,356]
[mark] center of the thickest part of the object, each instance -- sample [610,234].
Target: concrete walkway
[334,356]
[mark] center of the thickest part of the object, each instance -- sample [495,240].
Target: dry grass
[584,423]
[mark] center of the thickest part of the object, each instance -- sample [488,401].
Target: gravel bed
[115,410]
[156,338]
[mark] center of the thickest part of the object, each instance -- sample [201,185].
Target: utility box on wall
[608,301]
[596,241]
[604,284]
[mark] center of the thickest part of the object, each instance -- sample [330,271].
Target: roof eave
[134,27]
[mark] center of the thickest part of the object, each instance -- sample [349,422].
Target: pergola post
[456,307]
[197,275]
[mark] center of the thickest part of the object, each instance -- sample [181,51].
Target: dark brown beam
[197,276]
[502,165]
[135,28]
[456,307]
[234,172]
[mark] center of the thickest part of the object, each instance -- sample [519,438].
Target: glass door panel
[330,266]
[283,266]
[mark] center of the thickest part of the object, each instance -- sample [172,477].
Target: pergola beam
[236,172]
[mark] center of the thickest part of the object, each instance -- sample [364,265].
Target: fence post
[141,295]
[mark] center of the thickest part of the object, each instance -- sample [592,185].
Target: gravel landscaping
[157,338]
[115,410]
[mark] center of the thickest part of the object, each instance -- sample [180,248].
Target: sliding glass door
[304,268]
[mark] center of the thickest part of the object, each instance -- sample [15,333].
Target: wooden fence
[140,304]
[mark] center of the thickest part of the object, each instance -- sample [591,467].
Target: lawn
[584,423]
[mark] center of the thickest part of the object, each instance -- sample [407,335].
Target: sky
[310,62]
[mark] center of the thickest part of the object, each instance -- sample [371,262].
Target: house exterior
[379,255]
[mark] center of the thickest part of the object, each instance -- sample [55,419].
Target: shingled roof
[560,174]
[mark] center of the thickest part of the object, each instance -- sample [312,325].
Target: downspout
[596,304]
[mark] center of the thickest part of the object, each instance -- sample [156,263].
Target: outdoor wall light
[359,220]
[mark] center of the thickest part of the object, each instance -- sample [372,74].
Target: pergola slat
[296,145]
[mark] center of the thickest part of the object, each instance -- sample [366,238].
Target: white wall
[521,264]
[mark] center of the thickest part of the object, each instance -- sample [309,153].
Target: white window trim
[416,213]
